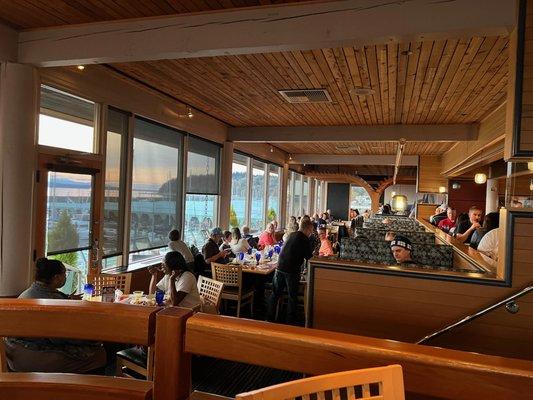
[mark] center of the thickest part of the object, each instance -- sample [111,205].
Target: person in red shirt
[267,237]
[449,222]
[326,249]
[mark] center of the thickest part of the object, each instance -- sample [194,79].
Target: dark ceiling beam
[272,28]
[373,133]
[8,44]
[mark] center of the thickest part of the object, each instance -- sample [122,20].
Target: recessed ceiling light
[81,67]
[362,91]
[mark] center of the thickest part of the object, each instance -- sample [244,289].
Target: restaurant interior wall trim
[338,199]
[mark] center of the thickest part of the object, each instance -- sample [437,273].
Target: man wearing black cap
[401,248]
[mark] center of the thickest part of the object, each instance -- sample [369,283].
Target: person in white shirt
[238,244]
[179,284]
[489,244]
[176,244]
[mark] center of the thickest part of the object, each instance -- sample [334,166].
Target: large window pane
[68,211]
[66,121]
[257,212]
[239,190]
[318,204]
[202,167]
[273,193]
[155,187]
[200,217]
[290,191]
[114,187]
[360,199]
[297,197]
[305,196]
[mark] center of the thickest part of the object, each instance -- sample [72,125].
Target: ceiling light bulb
[189,112]
[480,178]
[271,149]
[442,189]
[290,157]
[81,67]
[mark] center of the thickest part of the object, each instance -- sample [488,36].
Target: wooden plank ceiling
[378,148]
[440,82]
[24,14]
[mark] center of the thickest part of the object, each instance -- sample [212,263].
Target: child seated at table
[326,249]
[179,284]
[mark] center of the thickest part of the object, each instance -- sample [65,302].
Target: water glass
[258,256]
[277,249]
[241,256]
[159,297]
[270,253]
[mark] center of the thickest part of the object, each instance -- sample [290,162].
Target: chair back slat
[230,275]
[210,290]
[387,384]
[119,281]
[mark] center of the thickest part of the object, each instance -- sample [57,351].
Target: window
[305,196]
[360,199]
[203,187]
[257,213]
[290,185]
[318,203]
[297,196]
[239,191]
[112,241]
[273,193]
[66,121]
[155,188]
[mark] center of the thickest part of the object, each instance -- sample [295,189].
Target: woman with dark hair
[491,221]
[179,283]
[238,244]
[52,355]
[386,210]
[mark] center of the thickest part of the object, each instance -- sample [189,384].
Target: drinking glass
[258,256]
[241,256]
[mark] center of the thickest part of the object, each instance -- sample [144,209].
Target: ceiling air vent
[306,96]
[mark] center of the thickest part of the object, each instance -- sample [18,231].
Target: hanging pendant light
[530,165]
[480,178]
[399,202]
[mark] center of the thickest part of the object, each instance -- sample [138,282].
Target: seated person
[293,224]
[458,221]
[491,221]
[212,252]
[386,209]
[226,243]
[323,220]
[267,237]
[326,249]
[449,222]
[466,229]
[246,235]
[238,243]
[357,220]
[401,248]
[489,244]
[291,228]
[439,215]
[176,244]
[46,354]
[179,284]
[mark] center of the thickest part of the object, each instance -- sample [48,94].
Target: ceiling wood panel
[439,82]
[22,14]
[355,148]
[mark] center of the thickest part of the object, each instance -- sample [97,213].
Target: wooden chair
[383,383]
[231,276]
[211,291]
[119,281]
[135,362]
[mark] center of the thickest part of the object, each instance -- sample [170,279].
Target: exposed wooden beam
[8,44]
[271,28]
[428,133]
[344,159]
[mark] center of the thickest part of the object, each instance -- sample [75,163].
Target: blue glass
[277,249]
[250,251]
[241,256]
[159,297]
[270,253]
[88,288]
[258,256]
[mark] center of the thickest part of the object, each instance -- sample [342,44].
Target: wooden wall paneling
[403,308]
[429,174]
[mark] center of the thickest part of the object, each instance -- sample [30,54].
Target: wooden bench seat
[46,386]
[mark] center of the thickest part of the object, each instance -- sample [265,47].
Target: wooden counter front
[400,304]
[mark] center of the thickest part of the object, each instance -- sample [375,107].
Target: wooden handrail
[428,371]
[119,323]
[43,386]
